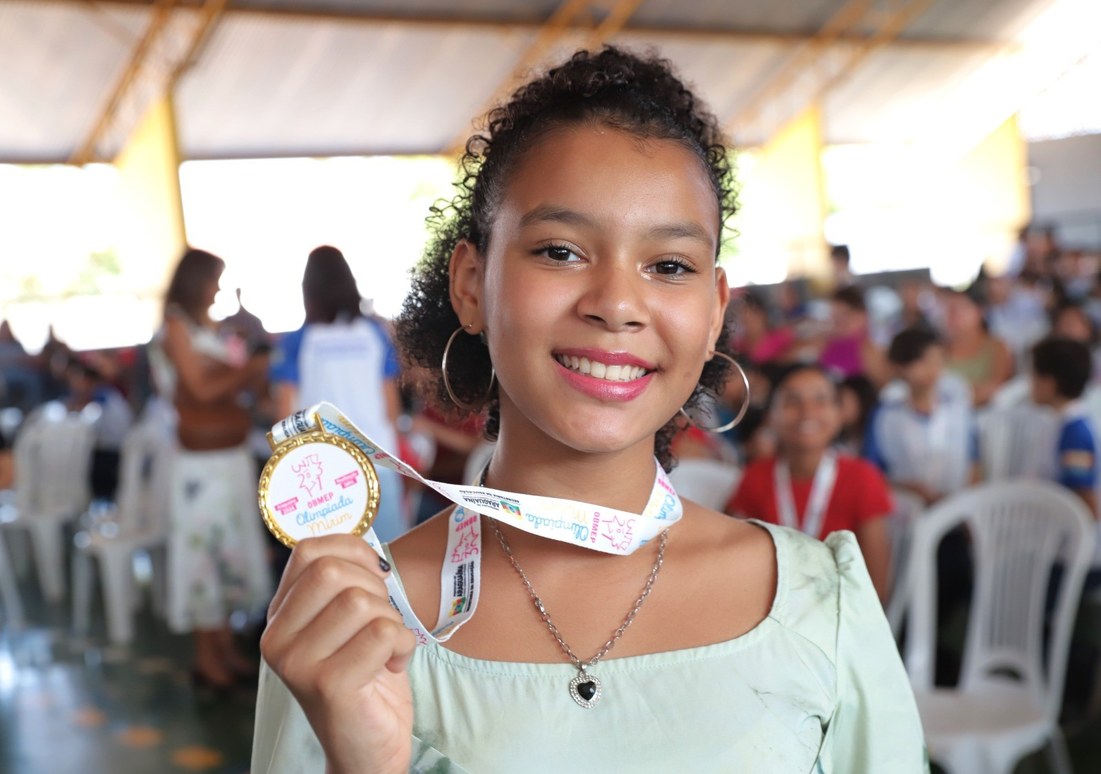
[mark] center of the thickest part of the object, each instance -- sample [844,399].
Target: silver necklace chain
[545,616]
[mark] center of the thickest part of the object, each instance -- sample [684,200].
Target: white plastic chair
[138,521]
[908,509]
[1008,698]
[52,454]
[1018,442]
[9,589]
[1016,392]
[707,482]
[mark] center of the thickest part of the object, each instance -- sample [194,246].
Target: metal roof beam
[162,13]
[158,59]
[822,64]
[717,34]
[559,24]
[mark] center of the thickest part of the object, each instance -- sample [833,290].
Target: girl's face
[806,414]
[599,292]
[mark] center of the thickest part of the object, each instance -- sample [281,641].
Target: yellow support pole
[781,222]
[151,236]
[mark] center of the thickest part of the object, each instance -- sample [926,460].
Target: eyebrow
[685,230]
[548,213]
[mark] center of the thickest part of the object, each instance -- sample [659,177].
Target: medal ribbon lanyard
[595,527]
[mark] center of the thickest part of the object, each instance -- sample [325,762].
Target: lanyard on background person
[820,491]
[321,480]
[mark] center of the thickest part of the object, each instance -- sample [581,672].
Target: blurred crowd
[865,393]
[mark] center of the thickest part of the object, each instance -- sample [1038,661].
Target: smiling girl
[571,293]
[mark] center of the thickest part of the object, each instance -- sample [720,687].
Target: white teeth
[598,370]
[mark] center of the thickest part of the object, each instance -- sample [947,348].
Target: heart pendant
[585,689]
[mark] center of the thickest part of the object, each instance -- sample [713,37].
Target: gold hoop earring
[474,409]
[745,402]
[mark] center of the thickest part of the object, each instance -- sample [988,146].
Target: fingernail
[383,564]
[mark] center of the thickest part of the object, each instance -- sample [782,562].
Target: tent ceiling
[328,77]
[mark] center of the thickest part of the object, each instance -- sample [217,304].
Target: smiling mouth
[598,370]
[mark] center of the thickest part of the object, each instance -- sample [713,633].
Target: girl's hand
[341,649]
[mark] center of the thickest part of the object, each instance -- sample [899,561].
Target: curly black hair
[639,94]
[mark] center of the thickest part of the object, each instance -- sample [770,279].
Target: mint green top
[816,688]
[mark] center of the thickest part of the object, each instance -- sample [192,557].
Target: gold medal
[317,483]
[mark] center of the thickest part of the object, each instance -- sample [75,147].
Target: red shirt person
[811,487]
[859,495]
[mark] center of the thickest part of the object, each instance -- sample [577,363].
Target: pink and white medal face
[318,484]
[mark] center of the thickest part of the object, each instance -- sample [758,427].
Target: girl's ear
[718,313]
[466,271]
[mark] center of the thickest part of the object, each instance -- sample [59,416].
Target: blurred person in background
[923,437]
[859,398]
[1092,302]
[1074,272]
[849,349]
[1061,370]
[918,302]
[347,359]
[246,326]
[20,386]
[50,364]
[753,436]
[755,337]
[809,485]
[839,262]
[88,387]
[982,359]
[1016,314]
[1070,320]
[216,556]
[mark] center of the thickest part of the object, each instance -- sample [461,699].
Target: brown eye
[560,253]
[672,267]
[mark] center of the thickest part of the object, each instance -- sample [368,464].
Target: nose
[614,297]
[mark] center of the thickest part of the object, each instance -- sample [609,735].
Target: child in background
[808,485]
[1061,369]
[1071,321]
[924,438]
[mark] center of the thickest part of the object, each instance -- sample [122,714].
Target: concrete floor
[77,705]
